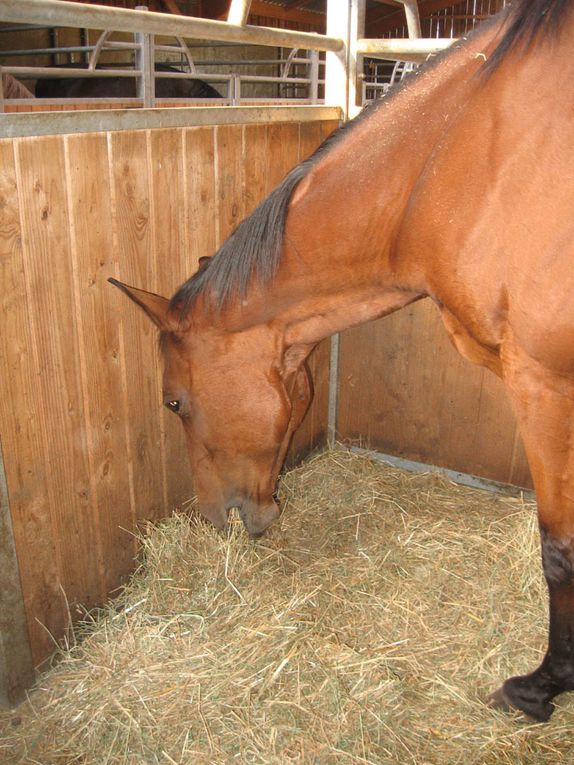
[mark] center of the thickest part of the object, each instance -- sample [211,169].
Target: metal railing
[145,72]
[146,24]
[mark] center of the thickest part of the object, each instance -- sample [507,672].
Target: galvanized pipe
[69,14]
[413,18]
[415,50]
[238,12]
[43,72]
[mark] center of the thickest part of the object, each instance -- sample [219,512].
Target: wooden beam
[380,22]
[218,9]
[172,7]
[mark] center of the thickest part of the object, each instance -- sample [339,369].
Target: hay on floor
[367,627]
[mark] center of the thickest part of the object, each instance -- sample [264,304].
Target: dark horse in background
[459,187]
[122,87]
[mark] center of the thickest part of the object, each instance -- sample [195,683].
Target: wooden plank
[404,390]
[229,179]
[19,416]
[168,200]
[53,324]
[133,240]
[199,207]
[329,126]
[283,151]
[24,467]
[256,163]
[311,135]
[95,259]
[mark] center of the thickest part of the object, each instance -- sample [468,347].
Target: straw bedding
[368,626]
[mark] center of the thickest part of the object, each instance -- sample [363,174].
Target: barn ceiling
[382,15]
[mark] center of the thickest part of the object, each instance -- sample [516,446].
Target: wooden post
[346,21]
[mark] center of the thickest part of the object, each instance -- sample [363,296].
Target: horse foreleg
[544,404]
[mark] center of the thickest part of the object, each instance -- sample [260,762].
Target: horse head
[240,396]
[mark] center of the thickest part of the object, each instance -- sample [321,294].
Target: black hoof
[516,696]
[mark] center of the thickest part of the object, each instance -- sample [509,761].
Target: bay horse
[122,87]
[459,187]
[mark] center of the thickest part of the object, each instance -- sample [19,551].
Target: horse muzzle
[256,517]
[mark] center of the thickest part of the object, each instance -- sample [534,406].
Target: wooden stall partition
[405,391]
[89,452]
[313,431]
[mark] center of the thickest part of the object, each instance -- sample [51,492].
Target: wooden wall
[405,391]
[89,452]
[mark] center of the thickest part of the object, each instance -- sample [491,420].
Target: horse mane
[528,18]
[254,248]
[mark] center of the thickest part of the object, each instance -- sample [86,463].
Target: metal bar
[341,69]
[314,76]
[48,51]
[70,14]
[24,27]
[62,73]
[415,50]
[336,62]
[184,50]
[95,54]
[235,85]
[59,123]
[239,12]
[263,78]
[144,62]
[117,45]
[333,404]
[464,479]
[413,18]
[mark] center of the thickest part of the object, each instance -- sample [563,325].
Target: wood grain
[200,198]
[89,453]
[229,179]
[95,260]
[22,439]
[134,242]
[404,390]
[54,329]
[167,198]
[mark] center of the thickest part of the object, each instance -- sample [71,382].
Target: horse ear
[155,306]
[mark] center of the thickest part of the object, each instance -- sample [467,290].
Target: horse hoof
[500,701]
[509,699]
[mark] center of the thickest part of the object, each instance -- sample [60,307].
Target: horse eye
[173,405]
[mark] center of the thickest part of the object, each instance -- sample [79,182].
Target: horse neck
[337,267]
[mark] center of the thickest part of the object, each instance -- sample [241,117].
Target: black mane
[528,19]
[254,248]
